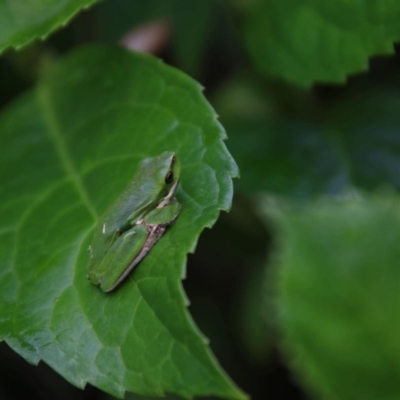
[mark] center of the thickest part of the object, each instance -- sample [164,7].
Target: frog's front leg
[165,215]
[156,222]
[116,263]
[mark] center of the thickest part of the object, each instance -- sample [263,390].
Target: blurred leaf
[253,321]
[307,41]
[288,157]
[68,150]
[131,396]
[194,20]
[191,23]
[356,144]
[22,21]
[338,284]
[242,97]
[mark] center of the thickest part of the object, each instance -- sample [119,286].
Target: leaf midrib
[55,134]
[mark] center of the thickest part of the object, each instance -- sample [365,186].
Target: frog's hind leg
[119,260]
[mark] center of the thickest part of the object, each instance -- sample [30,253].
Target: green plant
[304,264]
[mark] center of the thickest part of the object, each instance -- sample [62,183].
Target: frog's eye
[169,178]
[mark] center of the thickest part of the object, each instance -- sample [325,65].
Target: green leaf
[292,158]
[22,21]
[338,285]
[194,21]
[354,145]
[307,41]
[190,22]
[69,148]
[255,325]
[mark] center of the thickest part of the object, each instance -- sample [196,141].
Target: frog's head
[164,173]
[173,171]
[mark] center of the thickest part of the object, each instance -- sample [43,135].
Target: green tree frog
[135,222]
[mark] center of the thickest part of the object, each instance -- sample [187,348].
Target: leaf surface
[353,144]
[338,297]
[22,21]
[307,41]
[69,148]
